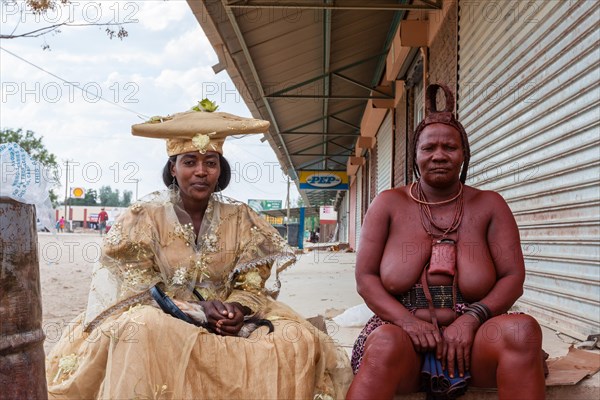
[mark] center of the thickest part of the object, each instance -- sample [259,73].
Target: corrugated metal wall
[419,102]
[401,146]
[352,213]
[358,213]
[343,217]
[384,153]
[529,99]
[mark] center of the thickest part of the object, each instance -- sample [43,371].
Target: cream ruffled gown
[131,349]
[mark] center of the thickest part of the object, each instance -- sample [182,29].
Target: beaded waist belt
[441,295]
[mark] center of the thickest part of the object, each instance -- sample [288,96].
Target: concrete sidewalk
[322,283]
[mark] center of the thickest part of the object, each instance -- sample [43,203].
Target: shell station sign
[78,193]
[323,180]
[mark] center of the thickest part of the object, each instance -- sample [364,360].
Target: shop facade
[526,76]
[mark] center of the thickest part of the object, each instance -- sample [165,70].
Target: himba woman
[189,239]
[440,264]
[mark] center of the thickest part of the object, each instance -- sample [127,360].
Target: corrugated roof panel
[358,35]
[274,49]
[292,113]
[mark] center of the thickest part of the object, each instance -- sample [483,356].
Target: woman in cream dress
[191,237]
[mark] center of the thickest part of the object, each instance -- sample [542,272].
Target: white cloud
[137,56]
[189,82]
[190,44]
[171,69]
[158,15]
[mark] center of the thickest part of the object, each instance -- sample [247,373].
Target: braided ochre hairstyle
[446,117]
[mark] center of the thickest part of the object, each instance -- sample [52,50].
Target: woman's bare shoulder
[479,194]
[397,193]
[488,199]
[389,197]
[388,202]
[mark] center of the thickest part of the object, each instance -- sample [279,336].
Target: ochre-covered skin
[394,249]
[22,374]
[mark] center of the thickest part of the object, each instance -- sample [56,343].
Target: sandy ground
[320,283]
[66,263]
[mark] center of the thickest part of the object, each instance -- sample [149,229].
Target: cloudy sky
[162,67]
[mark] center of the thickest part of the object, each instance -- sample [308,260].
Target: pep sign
[323,180]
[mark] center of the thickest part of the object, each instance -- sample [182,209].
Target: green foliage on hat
[205,105]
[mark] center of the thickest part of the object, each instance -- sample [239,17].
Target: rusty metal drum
[22,359]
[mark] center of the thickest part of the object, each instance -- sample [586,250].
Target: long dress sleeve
[263,253]
[127,266]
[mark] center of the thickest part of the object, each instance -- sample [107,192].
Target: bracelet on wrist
[474,315]
[480,311]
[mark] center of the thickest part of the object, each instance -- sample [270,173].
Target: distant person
[61,224]
[102,218]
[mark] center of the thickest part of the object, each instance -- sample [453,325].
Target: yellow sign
[273,220]
[77,192]
[324,180]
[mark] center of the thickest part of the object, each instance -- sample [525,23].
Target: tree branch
[47,29]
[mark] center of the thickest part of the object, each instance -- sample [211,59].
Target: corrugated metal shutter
[359,194]
[384,153]
[343,218]
[400,144]
[419,102]
[529,97]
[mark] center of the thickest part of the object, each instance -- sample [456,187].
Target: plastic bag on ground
[356,316]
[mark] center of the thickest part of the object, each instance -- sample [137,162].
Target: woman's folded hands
[452,347]
[222,318]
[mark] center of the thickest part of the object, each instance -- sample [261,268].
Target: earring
[174,183]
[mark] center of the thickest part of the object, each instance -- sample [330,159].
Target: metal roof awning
[336,5]
[309,67]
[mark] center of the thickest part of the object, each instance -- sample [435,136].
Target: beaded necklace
[422,194]
[427,217]
[438,264]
